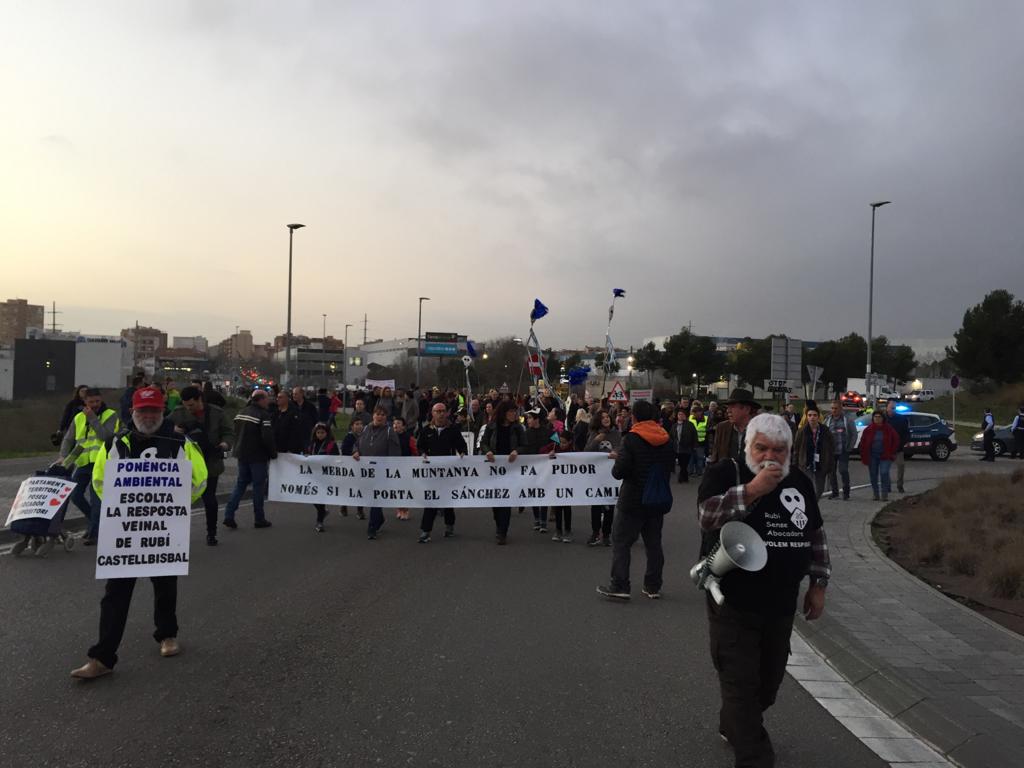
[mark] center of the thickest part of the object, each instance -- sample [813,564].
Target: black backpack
[657,494]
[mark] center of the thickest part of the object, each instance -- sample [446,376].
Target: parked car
[853,401]
[929,433]
[888,394]
[1002,440]
[921,395]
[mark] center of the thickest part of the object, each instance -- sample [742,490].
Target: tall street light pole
[344,371]
[323,353]
[868,377]
[419,340]
[288,330]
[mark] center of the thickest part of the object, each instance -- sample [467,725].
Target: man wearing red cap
[150,436]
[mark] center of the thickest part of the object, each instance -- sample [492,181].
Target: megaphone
[738,546]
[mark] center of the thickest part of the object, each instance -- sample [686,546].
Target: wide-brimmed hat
[742,397]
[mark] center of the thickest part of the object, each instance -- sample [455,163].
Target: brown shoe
[169,647]
[91,670]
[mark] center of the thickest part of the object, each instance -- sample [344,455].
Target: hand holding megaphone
[738,546]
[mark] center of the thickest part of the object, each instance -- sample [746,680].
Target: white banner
[40,497]
[145,518]
[582,479]
[372,383]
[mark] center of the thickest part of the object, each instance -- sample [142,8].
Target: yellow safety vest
[192,454]
[702,428]
[86,439]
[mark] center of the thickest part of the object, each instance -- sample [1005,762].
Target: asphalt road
[327,650]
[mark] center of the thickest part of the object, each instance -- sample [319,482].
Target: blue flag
[618,293]
[470,349]
[539,310]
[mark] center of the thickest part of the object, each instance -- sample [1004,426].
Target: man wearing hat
[151,437]
[741,407]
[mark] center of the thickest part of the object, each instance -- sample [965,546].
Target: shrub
[1005,580]
[963,560]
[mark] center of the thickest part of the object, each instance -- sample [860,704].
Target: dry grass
[968,526]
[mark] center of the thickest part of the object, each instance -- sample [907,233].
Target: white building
[198,343]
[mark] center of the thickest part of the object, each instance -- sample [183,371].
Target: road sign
[636,395]
[954,382]
[618,394]
[440,344]
[778,386]
[814,373]
[787,358]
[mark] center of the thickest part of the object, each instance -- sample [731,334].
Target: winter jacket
[444,442]
[890,442]
[288,434]
[826,448]
[207,435]
[645,446]
[322,448]
[684,437]
[517,438]
[378,441]
[901,424]
[254,442]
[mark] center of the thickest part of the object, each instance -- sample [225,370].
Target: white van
[922,395]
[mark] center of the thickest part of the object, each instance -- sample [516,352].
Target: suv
[929,433]
[852,400]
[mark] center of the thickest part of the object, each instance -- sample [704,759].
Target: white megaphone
[738,546]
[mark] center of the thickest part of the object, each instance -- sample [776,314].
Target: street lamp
[871,291]
[323,353]
[288,330]
[344,371]
[419,343]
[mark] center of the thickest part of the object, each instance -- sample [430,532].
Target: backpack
[657,491]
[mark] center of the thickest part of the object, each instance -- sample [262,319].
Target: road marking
[880,733]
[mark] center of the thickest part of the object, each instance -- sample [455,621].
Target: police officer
[150,436]
[89,430]
[1017,430]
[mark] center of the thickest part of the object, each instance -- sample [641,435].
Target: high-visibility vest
[86,439]
[702,428]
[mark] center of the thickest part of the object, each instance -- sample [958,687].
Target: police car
[929,433]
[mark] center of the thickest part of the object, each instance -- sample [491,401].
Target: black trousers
[749,652]
[210,504]
[625,531]
[988,442]
[117,599]
[1018,445]
[683,460]
[502,518]
[430,513]
[601,519]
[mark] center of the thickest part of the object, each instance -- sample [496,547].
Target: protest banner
[145,518]
[444,481]
[39,497]
[638,395]
[372,383]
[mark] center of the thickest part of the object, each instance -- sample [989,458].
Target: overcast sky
[715,159]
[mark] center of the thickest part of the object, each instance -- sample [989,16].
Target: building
[148,341]
[198,343]
[238,346]
[61,362]
[312,364]
[16,317]
[182,365]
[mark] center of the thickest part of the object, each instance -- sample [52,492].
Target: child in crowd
[321,443]
[408,445]
[348,446]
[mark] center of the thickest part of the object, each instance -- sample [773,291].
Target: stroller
[39,535]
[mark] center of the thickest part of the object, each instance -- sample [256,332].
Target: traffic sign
[955,382]
[779,386]
[618,394]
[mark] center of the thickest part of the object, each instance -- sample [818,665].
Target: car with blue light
[929,434]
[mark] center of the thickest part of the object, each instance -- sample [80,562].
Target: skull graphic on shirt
[793,501]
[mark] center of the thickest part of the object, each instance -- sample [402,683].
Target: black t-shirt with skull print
[784,519]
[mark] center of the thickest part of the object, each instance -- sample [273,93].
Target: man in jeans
[377,439]
[646,450]
[844,434]
[254,448]
[901,424]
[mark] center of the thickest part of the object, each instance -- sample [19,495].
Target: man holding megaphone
[751,628]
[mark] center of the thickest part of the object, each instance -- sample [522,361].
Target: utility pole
[53,318]
[364,328]
[323,353]
[868,374]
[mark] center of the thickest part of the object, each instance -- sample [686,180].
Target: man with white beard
[150,437]
[750,632]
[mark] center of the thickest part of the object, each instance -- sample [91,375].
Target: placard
[40,497]
[583,479]
[638,395]
[145,516]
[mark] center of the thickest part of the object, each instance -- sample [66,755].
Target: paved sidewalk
[943,671]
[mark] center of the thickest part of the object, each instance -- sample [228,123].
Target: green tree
[751,361]
[990,344]
[649,359]
[687,354]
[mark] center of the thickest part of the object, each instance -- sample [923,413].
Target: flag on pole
[539,310]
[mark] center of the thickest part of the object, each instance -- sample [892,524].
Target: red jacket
[890,442]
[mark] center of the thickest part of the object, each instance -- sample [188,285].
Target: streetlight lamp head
[880,203]
[424,298]
[293,227]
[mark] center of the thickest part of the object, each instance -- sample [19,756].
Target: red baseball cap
[148,397]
